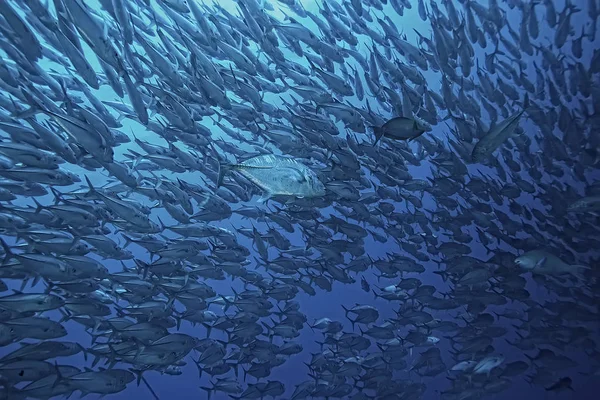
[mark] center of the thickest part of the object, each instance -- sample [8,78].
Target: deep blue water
[328,304]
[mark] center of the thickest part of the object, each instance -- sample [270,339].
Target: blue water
[328,304]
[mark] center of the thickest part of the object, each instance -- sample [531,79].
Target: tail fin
[128,240]
[526,102]
[149,387]
[92,190]
[7,250]
[59,376]
[208,390]
[378,134]
[223,169]
[443,274]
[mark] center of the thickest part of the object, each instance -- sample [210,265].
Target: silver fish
[278,175]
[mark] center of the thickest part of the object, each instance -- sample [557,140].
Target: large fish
[585,204]
[543,262]
[497,135]
[278,175]
[401,128]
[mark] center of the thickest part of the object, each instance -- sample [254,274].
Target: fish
[278,175]
[562,384]
[364,284]
[543,262]
[400,128]
[585,205]
[495,137]
[487,365]
[124,224]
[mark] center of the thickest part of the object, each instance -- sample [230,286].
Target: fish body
[364,284]
[401,128]
[585,204]
[563,384]
[278,175]
[486,365]
[542,262]
[495,137]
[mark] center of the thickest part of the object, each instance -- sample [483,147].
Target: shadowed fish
[401,128]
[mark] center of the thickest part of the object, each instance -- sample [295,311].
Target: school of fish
[178,178]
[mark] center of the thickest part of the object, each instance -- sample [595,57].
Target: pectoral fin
[541,262]
[266,196]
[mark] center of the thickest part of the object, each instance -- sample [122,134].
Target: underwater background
[455,258]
